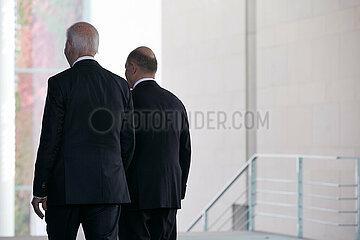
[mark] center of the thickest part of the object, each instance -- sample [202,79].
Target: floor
[201,236]
[233,236]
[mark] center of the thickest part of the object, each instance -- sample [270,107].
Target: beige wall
[308,79]
[308,75]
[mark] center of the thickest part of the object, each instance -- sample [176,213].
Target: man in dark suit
[86,144]
[159,170]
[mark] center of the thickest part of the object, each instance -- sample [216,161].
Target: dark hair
[147,63]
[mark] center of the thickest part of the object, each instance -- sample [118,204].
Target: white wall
[124,26]
[204,65]
[7,118]
[308,71]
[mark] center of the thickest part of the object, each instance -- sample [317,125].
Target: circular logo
[101,120]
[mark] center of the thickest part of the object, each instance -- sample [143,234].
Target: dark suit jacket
[159,171]
[87,137]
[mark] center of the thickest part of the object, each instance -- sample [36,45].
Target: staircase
[288,194]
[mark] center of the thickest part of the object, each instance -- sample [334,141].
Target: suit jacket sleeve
[51,136]
[127,134]
[185,152]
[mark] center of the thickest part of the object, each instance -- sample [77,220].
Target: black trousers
[154,224]
[98,221]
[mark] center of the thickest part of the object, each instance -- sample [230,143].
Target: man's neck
[83,57]
[146,76]
[142,80]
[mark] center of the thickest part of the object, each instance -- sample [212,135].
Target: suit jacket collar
[86,62]
[146,83]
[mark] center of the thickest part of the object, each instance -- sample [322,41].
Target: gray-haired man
[86,144]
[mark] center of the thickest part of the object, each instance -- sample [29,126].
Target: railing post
[358,198]
[205,221]
[252,194]
[300,196]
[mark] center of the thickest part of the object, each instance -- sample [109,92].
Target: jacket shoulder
[59,77]
[173,97]
[121,80]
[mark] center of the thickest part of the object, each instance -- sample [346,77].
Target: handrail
[249,165]
[271,155]
[228,208]
[220,193]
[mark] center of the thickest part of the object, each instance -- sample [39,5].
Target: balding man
[159,170]
[86,144]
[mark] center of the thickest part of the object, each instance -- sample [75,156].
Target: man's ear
[68,45]
[134,67]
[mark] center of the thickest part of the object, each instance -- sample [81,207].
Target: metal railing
[248,216]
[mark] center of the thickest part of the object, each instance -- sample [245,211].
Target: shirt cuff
[40,197]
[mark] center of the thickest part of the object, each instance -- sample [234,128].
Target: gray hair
[83,37]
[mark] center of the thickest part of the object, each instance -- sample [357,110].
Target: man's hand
[36,205]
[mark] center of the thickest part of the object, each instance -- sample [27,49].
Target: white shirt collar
[83,58]
[142,80]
